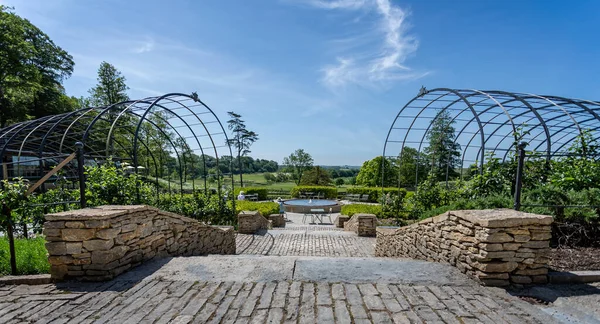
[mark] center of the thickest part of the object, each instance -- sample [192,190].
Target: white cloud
[373,66]
[145,46]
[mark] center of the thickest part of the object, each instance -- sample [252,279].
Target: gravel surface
[575,259]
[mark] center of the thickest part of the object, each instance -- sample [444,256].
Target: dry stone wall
[96,244]
[249,222]
[362,224]
[497,247]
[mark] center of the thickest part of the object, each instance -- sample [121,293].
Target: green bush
[328,192]
[208,208]
[375,193]
[361,209]
[31,255]
[261,192]
[265,208]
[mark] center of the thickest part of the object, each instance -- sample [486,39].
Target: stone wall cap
[128,208]
[249,213]
[85,214]
[504,217]
[387,229]
[366,215]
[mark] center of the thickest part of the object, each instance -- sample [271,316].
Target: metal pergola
[142,134]
[493,122]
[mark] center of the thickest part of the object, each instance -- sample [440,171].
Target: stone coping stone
[111,211]
[493,218]
[365,215]
[248,213]
[42,279]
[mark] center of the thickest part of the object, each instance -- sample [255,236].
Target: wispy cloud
[373,65]
[145,46]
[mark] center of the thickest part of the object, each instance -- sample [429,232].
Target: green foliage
[31,256]
[297,163]
[12,196]
[242,139]
[443,151]
[328,192]
[111,87]
[410,163]
[370,173]
[109,185]
[260,191]
[582,169]
[339,182]
[316,176]
[352,209]
[375,193]
[32,68]
[211,208]
[265,208]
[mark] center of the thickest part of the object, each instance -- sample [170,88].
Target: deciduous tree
[31,66]
[443,151]
[298,162]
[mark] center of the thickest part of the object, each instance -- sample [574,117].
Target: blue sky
[325,76]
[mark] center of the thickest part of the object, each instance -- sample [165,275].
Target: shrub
[31,255]
[375,193]
[361,209]
[265,208]
[210,208]
[261,192]
[328,192]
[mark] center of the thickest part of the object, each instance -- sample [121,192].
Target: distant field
[250,180]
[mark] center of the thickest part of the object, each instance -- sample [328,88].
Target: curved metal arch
[555,115]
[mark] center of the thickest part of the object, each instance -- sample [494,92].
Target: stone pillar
[340,220]
[367,225]
[251,221]
[277,220]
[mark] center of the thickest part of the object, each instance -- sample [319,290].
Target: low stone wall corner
[96,244]
[497,247]
[249,222]
[362,224]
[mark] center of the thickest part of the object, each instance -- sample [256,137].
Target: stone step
[255,268]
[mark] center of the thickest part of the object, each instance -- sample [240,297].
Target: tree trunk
[241,171]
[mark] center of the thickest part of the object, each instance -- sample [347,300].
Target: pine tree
[443,151]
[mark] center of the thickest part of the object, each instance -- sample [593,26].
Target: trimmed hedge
[361,209]
[262,192]
[329,192]
[265,208]
[374,192]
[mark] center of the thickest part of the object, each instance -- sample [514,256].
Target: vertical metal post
[81,173]
[519,180]
[11,239]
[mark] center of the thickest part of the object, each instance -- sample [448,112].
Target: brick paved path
[164,301]
[306,243]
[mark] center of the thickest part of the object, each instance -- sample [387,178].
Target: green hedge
[329,192]
[262,192]
[374,192]
[265,208]
[361,209]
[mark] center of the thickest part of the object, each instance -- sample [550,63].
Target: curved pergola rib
[496,117]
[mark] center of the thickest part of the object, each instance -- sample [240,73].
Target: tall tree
[316,176]
[111,87]
[298,162]
[443,151]
[411,162]
[371,173]
[242,139]
[29,63]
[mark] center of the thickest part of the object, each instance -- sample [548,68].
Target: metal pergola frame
[492,122]
[124,131]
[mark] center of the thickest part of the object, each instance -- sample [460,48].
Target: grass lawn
[31,256]
[250,180]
